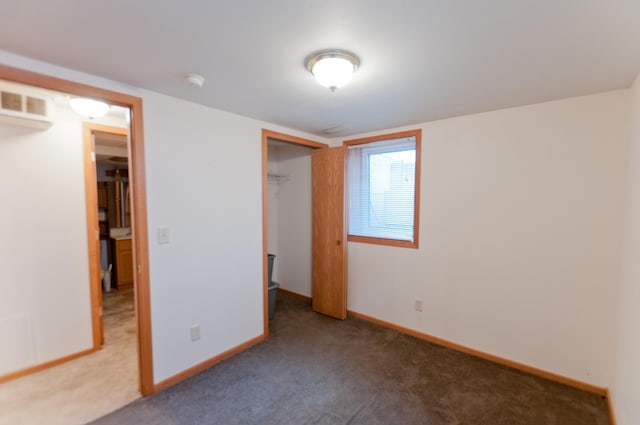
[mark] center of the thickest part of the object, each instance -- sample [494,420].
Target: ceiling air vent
[334,130]
[27,110]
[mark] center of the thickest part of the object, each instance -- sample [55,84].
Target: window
[383,182]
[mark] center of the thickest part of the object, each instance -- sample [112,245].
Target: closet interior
[289,215]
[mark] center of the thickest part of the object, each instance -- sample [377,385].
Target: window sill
[381,241]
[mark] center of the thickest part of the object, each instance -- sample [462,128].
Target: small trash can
[106,278]
[273,287]
[273,291]
[271,258]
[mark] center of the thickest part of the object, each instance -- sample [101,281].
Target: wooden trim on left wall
[139,206]
[162,385]
[46,365]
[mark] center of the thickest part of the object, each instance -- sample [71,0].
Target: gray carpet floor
[317,370]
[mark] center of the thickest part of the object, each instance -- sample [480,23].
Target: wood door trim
[612,413]
[139,205]
[34,79]
[141,279]
[292,139]
[266,135]
[397,135]
[101,128]
[93,239]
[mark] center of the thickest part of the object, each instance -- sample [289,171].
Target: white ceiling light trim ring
[333,68]
[90,108]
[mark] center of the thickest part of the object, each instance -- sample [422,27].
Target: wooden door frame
[281,137]
[138,206]
[93,228]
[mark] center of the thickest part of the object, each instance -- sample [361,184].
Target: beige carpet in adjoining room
[79,391]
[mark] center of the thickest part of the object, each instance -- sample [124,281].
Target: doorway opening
[287,214]
[137,216]
[108,204]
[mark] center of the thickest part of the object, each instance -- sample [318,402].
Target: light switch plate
[195,333]
[163,235]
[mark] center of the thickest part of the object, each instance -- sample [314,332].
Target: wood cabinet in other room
[123,254]
[103,195]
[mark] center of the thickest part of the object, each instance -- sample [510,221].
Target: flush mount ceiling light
[90,108]
[332,68]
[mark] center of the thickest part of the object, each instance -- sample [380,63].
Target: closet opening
[287,216]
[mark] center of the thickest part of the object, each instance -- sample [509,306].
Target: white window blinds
[381,189]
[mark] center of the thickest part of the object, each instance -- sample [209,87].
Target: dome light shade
[89,107]
[332,68]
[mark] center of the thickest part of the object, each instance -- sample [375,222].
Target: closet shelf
[277,178]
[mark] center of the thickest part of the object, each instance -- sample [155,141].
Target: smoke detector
[195,80]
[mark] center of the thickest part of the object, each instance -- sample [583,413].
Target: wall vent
[25,109]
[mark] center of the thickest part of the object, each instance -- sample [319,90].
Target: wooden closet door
[329,274]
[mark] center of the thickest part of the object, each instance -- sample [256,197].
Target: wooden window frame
[416,199]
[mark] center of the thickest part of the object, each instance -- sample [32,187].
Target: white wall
[45,304]
[625,390]
[294,220]
[519,245]
[204,182]
[520,235]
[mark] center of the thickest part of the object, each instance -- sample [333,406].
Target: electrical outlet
[418,304]
[195,333]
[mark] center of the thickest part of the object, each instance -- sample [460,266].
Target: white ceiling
[421,59]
